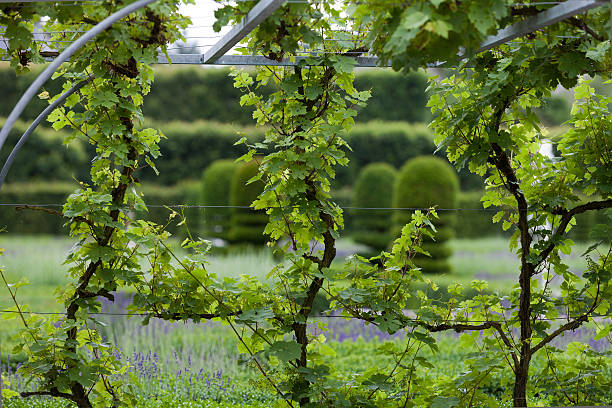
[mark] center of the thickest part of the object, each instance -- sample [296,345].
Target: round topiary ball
[424,182]
[374,189]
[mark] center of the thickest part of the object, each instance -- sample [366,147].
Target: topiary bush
[374,189]
[246,224]
[424,182]
[216,182]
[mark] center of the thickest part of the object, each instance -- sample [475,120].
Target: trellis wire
[26,205]
[549,319]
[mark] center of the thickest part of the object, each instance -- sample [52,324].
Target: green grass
[39,259]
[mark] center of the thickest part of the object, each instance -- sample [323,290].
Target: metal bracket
[258,13]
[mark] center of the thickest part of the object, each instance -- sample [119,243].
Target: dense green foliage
[425,182]
[216,185]
[246,224]
[374,189]
[484,116]
[67,357]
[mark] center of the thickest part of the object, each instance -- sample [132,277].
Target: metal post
[64,56]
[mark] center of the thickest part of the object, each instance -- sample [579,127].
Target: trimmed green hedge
[191,147]
[32,221]
[44,156]
[374,189]
[395,96]
[192,93]
[209,94]
[216,182]
[185,193]
[246,225]
[421,183]
[39,222]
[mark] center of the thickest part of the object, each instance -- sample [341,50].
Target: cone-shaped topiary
[216,181]
[374,189]
[424,182]
[246,225]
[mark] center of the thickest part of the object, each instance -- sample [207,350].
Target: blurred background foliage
[198,110]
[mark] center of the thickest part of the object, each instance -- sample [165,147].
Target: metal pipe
[64,56]
[34,125]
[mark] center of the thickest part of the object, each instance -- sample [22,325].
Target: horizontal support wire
[26,205]
[550,319]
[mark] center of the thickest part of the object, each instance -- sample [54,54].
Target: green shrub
[191,147]
[38,222]
[44,156]
[395,96]
[475,221]
[246,225]
[421,183]
[374,189]
[32,221]
[555,110]
[586,222]
[216,181]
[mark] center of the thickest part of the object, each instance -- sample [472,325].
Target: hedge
[191,147]
[32,221]
[215,191]
[374,189]
[39,222]
[192,94]
[421,183]
[44,156]
[246,225]
[475,221]
[395,96]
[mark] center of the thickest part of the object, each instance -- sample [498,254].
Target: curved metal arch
[64,56]
[59,101]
